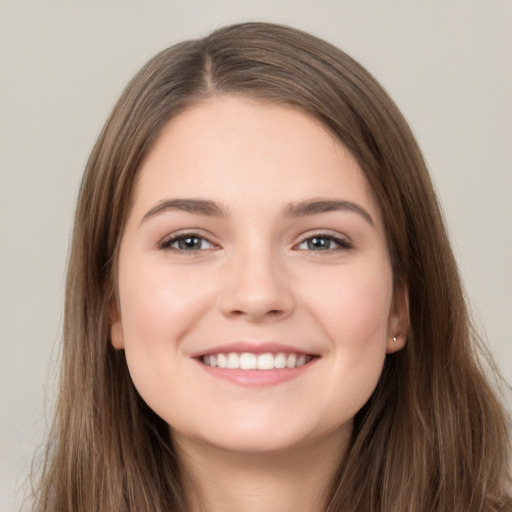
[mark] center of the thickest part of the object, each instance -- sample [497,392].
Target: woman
[263,311]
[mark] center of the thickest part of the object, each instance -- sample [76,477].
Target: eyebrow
[292,210]
[314,207]
[197,206]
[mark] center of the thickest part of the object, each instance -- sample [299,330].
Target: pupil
[190,242]
[321,243]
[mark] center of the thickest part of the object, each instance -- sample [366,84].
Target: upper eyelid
[176,235]
[342,241]
[327,233]
[188,231]
[197,232]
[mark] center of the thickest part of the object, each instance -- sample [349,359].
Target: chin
[261,438]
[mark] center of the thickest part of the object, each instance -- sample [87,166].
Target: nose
[257,289]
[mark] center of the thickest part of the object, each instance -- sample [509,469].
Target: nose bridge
[256,285]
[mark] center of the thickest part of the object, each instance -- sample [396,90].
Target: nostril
[257,315]
[256,302]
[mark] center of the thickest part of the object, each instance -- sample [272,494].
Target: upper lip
[260,347]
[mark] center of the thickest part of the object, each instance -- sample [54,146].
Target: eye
[323,243]
[186,242]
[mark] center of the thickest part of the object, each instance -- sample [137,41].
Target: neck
[292,480]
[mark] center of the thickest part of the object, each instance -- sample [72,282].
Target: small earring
[394,339]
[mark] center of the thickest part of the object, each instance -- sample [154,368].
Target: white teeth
[290,362]
[233,360]
[222,361]
[250,361]
[265,362]
[280,361]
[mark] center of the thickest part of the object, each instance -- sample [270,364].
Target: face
[256,302]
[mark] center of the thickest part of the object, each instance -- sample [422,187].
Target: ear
[398,319]
[116,326]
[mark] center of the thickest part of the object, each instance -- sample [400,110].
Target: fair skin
[253,242]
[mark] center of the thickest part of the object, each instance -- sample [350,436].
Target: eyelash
[342,243]
[167,243]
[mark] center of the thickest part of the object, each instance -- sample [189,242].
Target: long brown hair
[433,436]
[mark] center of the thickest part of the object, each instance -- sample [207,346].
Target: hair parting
[433,436]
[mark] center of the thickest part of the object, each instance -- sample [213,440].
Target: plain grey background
[448,65]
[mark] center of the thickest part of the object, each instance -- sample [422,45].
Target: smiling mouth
[250,361]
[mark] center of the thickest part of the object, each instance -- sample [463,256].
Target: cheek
[158,309]
[354,304]
[158,304]
[354,313]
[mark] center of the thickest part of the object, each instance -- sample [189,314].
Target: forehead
[241,150]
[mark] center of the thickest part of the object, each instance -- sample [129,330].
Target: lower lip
[257,378]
